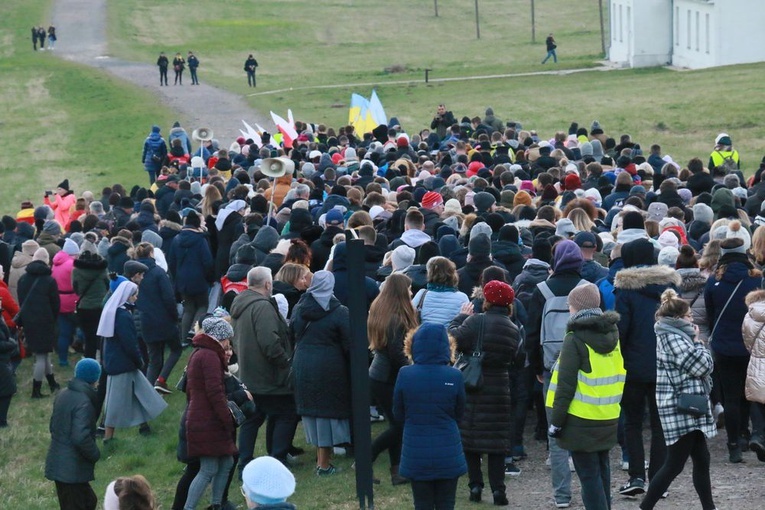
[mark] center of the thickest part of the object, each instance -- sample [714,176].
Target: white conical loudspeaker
[202,134]
[277,167]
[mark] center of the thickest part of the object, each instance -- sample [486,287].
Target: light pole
[477,24]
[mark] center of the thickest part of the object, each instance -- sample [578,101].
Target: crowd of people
[39,34]
[191,61]
[587,279]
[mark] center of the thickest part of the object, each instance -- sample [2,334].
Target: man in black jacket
[442,121]
[700,181]
[250,65]
[163,64]
[73,452]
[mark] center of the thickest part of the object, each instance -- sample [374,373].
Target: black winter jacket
[485,426]
[321,365]
[39,316]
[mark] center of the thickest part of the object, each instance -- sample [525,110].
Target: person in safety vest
[585,392]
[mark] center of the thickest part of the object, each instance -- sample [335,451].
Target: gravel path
[82,25]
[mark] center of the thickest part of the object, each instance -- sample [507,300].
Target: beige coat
[753,331]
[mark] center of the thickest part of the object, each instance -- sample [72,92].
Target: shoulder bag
[471,364]
[418,308]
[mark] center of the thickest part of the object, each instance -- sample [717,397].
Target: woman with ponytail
[683,366]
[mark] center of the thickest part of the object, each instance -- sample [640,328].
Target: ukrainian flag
[358,112]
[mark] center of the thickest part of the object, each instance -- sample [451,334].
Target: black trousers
[693,445]
[732,371]
[633,406]
[251,78]
[88,322]
[434,494]
[76,496]
[5,404]
[282,418]
[389,439]
[162,76]
[178,77]
[193,71]
[519,401]
[496,464]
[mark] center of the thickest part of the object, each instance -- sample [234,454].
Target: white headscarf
[224,213]
[117,300]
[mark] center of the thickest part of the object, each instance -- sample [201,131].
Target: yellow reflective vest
[598,393]
[719,157]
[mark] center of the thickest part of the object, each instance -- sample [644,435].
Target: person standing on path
[178,66]
[163,63]
[193,62]
[249,67]
[551,45]
[41,34]
[52,37]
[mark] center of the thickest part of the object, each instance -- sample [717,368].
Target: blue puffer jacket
[439,306]
[727,339]
[638,294]
[156,302]
[429,399]
[190,262]
[121,352]
[153,145]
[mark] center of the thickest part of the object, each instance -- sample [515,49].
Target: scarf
[117,300]
[322,288]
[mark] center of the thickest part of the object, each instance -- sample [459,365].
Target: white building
[687,33]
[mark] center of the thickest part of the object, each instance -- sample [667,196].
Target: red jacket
[209,424]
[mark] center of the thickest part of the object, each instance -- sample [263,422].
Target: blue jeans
[551,53]
[560,472]
[66,327]
[594,472]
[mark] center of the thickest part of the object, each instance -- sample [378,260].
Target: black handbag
[471,364]
[695,405]
[236,412]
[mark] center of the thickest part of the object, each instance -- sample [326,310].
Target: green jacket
[262,343]
[90,282]
[602,334]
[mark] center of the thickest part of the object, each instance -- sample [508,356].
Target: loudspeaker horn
[277,167]
[202,134]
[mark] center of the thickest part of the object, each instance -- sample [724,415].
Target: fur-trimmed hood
[638,278]
[598,331]
[692,280]
[754,297]
[171,225]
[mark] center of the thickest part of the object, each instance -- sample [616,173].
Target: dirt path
[82,25]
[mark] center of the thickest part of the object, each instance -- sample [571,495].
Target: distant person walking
[41,34]
[163,63]
[193,62]
[551,45]
[52,37]
[178,66]
[249,67]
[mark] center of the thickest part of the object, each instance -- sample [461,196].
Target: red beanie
[402,142]
[572,182]
[498,293]
[473,168]
[432,199]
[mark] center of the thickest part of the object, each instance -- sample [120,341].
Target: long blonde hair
[212,195]
[392,308]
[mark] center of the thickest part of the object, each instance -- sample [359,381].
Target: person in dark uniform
[41,34]
[249,67]
[178,66]
[163,64]
[193,62]
[34,38]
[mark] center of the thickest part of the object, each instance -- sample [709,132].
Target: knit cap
[704,213]
[87,370]
[506,198]
[736,230]
[498,293]
[402,257]
[667,238]
[29,247]
[41,254]
[480,228]
[432,199]
[483,201]
[152,238]
[732,245]
[522,198]
[453,206]
[584,297]
[218,329]
[71,248]
[657,211]
[266,481]
[479,245]
[52,227]
[668,256]
[565,228]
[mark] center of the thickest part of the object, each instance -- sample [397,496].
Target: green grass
[24,444]
[62,120]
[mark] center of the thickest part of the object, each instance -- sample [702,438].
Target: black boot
[734,453]
[54,386]
[475,493]
[500,498]
[395,478]
[37,389]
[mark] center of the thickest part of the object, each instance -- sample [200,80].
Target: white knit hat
[266,481]
[735,229]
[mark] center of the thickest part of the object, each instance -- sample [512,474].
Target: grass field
[61,120]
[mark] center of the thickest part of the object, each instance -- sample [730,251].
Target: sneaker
[161,388]
[100,431]
[665,495]
[331,470]
[548,462]
[511,469]
[719,415]
[634,487]
[625,465]
[374,415]
[562,504]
